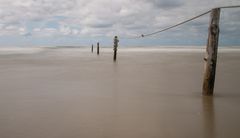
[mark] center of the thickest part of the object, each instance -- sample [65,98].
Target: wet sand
[72,93]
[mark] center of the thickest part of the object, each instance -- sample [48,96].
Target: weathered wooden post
[211,53]
[115,48]
[92,48]
[98,48]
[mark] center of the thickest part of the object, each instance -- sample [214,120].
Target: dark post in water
[211,53]
[115,48]
[98,48]
[92,48]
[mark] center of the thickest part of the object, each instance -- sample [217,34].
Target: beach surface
[147,93]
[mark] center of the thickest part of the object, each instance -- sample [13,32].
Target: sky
[85,22]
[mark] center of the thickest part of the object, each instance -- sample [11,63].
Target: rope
[176,25]
[225,7]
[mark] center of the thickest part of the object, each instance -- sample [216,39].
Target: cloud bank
[87,19]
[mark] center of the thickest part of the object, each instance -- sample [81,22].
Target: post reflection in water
[115,90]
[208,117]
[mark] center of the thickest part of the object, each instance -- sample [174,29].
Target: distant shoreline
[188,49]
[120,46]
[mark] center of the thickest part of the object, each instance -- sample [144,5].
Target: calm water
[72,93]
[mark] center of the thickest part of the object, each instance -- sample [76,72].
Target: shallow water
[72,93]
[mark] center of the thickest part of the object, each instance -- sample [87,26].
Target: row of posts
[210,57]
[115,46]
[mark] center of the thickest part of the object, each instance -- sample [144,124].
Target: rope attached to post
[176,25]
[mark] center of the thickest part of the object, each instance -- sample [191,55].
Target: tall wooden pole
[98,48]
[211,53]
[115,45]
[92,48]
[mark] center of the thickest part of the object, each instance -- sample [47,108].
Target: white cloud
[75,32]
[65,30]
[100,17]
[36,30]
[45,32]
[9,30]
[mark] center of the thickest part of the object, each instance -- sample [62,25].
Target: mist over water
[147,93]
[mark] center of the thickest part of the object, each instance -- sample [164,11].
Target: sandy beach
[147,93]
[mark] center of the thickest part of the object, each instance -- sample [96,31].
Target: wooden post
[92,48]
[211,53]
[98,48]
[115,48]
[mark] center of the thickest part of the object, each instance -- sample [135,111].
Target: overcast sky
[82,22]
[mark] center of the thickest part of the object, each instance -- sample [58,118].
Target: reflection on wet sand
[209,117]
[70,93]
